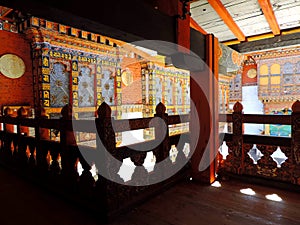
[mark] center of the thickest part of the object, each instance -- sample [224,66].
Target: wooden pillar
[204,113]
[179,10]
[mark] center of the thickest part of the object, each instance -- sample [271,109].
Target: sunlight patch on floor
[274,197]
[216,184]
[247,191]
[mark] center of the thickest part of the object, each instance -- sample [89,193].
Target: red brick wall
[16,91]
[132,94]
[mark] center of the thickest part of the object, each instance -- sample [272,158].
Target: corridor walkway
[23,203]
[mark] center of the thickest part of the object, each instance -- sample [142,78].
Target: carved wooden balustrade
[270,157]
[54,164]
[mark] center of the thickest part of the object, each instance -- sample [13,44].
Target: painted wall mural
[279,78]
[229,59]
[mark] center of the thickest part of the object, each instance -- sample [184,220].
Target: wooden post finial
[160,108]
[238,107]
[104,111]
[8,111]
[22,112]
[296,107]
[40,112]
[67,112]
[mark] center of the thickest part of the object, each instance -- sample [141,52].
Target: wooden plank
[194,204]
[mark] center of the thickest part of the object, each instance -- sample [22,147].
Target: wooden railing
[254,155]
[54,164]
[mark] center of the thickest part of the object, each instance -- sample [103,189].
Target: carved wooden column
[204,116]
[237,137]
[296,140]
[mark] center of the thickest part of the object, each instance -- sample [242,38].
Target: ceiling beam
[228,20]
[280,41]
[5,13]
[270,16]
[196,26]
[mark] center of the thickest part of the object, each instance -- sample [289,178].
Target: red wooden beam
[196,26]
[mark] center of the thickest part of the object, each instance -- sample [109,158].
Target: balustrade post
[20,155]
[237,137]
[162,139]
[22,113]
[8,128]
[106,143]
[295,121]
[69,151]
[162,130]
[108,161]
[8,139]
[41,133]
[67,137]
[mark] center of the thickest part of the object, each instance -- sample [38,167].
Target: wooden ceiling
[240,21]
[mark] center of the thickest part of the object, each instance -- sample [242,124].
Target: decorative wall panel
[59,84]
[86,86]
[108,86]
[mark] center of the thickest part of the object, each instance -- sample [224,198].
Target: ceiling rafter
[228,20]
[6,12]
[270,16]
[196,26]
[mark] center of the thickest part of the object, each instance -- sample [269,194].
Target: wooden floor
[185,204]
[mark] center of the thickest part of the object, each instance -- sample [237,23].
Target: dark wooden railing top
[259,119]
[89,125]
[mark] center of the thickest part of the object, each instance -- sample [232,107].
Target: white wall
[132,137]
[252,105]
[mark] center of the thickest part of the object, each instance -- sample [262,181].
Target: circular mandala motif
[12,66]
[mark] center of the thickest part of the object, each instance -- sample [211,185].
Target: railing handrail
[259,119]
